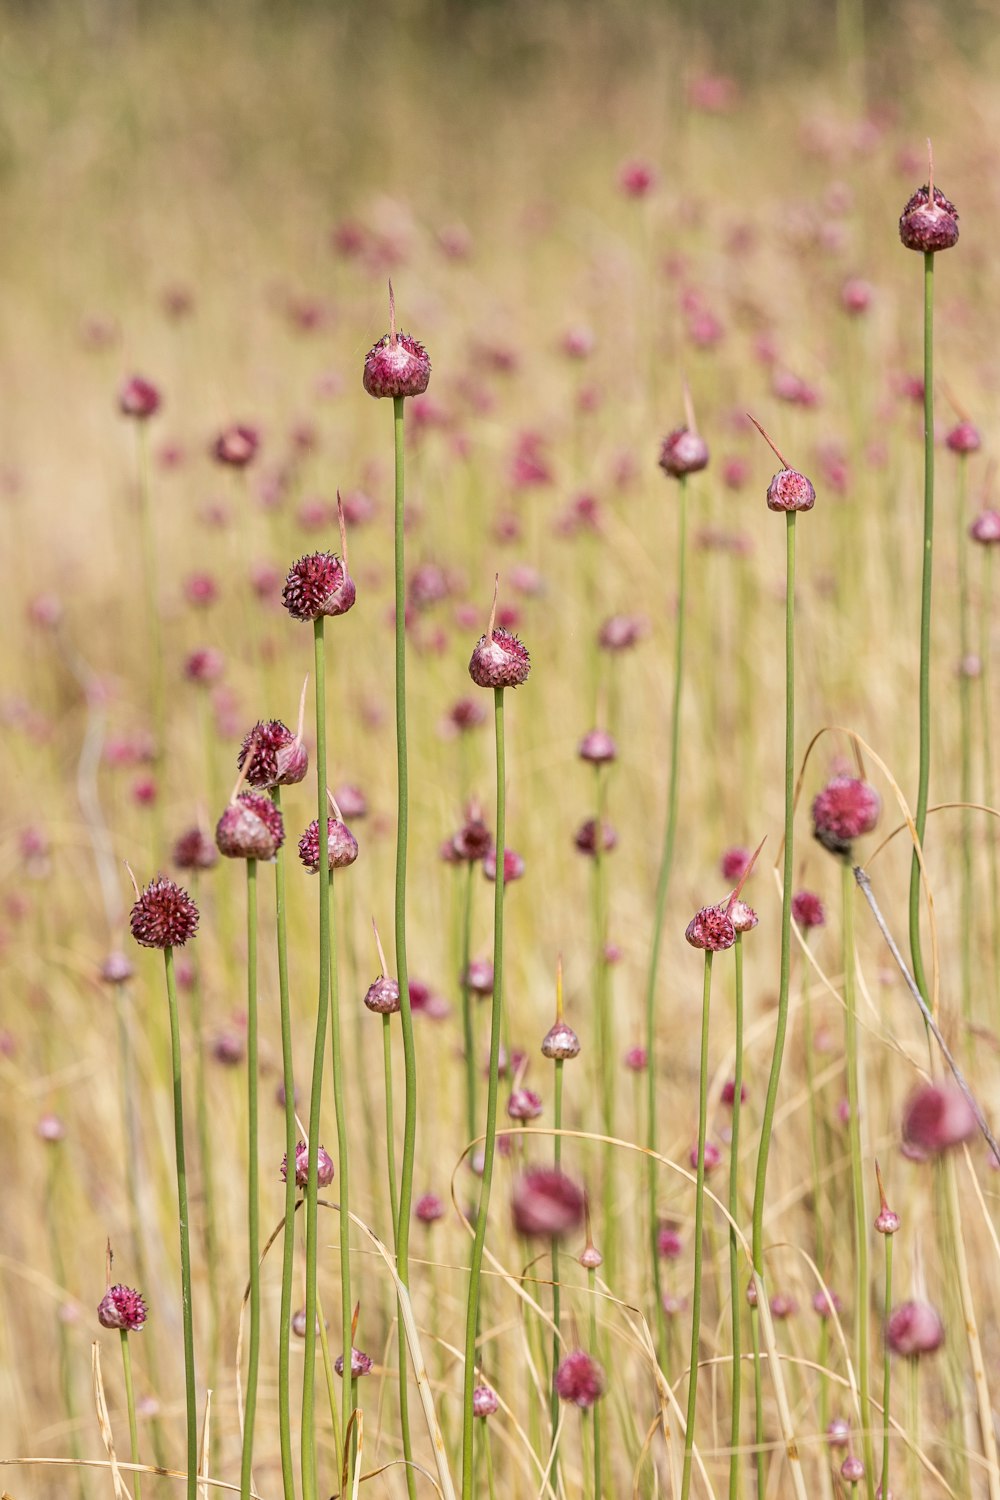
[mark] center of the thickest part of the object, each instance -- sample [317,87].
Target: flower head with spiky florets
[928,224]
[324,1166]
[846,808]
[361,1363]
[194,850]
[343,846]
[580,1379]
[250,828]
[398,364]
[546,1203]
[273,756]
[318,585]
[808,910]
[121,1308]
[711,929]
[164,916]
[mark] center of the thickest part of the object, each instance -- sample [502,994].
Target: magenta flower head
[318,585]
[499,660]
[586,837]
[429,1209]
[937,1116]
[964,438]
[789,490]
[546,1203]
[250,828]
[473,840]
[580,1379]
[524,1104]
[560,1042]
[846,808]
[397,365]
[743,917]
[683,451]
[711,929]
[164,916]
[668,1241]
[734,862]
[513,865]
[914,1328]
[484,1401]
[343,846]
[929,222]
[324,1166]
[194,850]
[361,1364]
[808,910]
[383,996]
[598,747]
[272,756]
[852,1470]
[838,1433]
[122,1308]
[636,1059]
[236,445]
[826,1302]
[637,178]
[985,529]
[139,398]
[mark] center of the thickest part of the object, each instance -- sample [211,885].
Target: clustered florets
[164,916]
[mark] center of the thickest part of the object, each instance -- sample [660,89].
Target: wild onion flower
[250,828]
[914,1329]
[398,365]
[843,811]
[929,221]
[546,1203]
[121,1308]
[324,1166]
[936,1118]
[139,398]
[580,1379]
[164,916]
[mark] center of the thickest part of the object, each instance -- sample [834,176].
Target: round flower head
[164,916]
[852,1470]
[914,1328]
[299,1324]
[324,1166]
[590,1258]
[846,808]
[586,837]
[838,1433]
[683,451]
[807,910]
[560,1042]
[937,1116]
[513,865]
[397,365]
[711,929]
[929,222]
[783,1306]
[524,1104]
[194,850]
[250,828]
[887,1222]
[383,996]
[712,1156]
[236,445]
[361,1364]
[484,1401]
[478,977]
[546,1203]
[343,845]
[743,917]
[636,1059]
[276,756]
[499,660]
[580,1379]
[473,840]
[985,529]
[668,1241]
[352,801]
[429,1209]
[122,1308]
[734,862]
[826,1302]
[50,1129]
[790,490]
[205,665]
[318,584]
[728,1095]
[597,747]
[116,968]
[964,438]
[138,398]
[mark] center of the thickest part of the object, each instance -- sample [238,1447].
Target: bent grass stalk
[927,578]
[253,1188]
[662,887]
[699,1219]
[190,1404]
[479,1243]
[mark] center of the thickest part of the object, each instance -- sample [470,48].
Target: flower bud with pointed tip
[711,929]
[499,660]
[846,808]
[324,1166]
[928,226]
[318,584]
[383,996]
[789,490]
[887,1222]
[524,1104]
[361,1364]
[683,452]
[598,747]
[163,916]
[484,1402]
[343,846]
[580,1380]
[250,828]
[277,757]
[914,1328]
[121,1308]
[397,365]
[560,1042]
[743,917]
[591,1258]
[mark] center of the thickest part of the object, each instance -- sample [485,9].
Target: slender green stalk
[253,1186]
[781,1021]
[468,1028]
[915,1431]
[328,1375]
[491,1482]
[205,1153]
[735,1295]
[475,1270]
[52,1197]
[662,887]
[862,1292]
[343,1159]
[965,722]
[886,1371]
[155,658]
[390,1125]
[596,1409]
[606,1058]
[133,1431]
[760,1455]
[190,1405]
[699,1220]
[291,1142]
[402,970]
[923,779]
[556,1289]
[308,1436]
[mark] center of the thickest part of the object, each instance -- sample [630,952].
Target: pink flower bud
[914,1328]
[546,1203]
[324,1166]
[343,846]
[560,1042]
[845,809]
[683,452]
[580,1379]
[484,1402]
[139,398]
[318,585]
[250,828]
[499,660]
[710,929]
[121,1308]
[928,226]
[937,1117]
[790,490]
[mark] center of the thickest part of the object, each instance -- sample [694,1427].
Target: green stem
[915,1431]
[133,1431]
[191,1412]
[468,1028]
[886,1370]
[253,1186]
[699,1219]
[150,576]
[205,1152]
[596,1409]
[862,1295]
[760,1455]
[985,614]
[489,1462]
[308,1431]
[923,780]
[328,1373]
[390,1125]
[343,1162]
[735,1296]
[556,1289]
[781,1022]
[402,971]
[606,1052]
[475,1270]
[965,721]
[662,887]
[291,1142]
